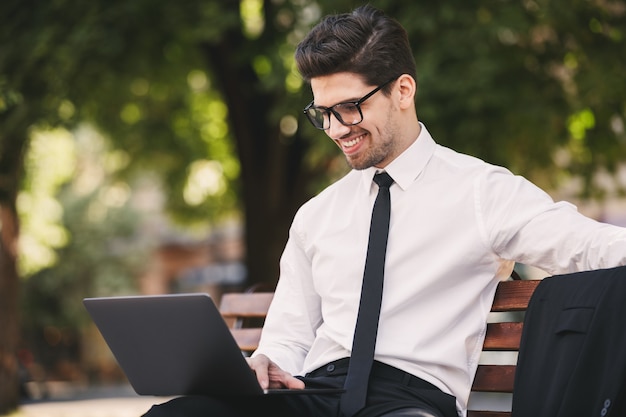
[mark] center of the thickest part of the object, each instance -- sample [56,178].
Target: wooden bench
[246,312]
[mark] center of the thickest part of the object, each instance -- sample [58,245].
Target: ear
[406,87]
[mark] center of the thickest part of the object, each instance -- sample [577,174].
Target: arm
[294,314]
[524,224]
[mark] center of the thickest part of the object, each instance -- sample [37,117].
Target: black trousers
[389,389]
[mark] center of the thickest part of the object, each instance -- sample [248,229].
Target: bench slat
[247,339]
[245,305]
[494,378]
[503,336]
[513,295]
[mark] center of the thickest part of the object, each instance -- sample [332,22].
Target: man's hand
[270,375]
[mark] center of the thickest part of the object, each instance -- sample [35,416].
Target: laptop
[177,344]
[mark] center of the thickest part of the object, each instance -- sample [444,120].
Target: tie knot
[383,180]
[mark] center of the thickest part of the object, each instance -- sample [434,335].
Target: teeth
[351,143]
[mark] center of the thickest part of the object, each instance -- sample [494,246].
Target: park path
[119,401]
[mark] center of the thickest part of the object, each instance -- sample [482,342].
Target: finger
[293,383]
[281,379]
[260,365]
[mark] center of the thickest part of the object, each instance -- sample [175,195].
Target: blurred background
[151,146]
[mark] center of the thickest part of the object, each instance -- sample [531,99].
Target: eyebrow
[350,100]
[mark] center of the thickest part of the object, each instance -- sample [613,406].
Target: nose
[336,130]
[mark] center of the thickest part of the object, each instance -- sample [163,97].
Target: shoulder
[447,163]
[342,188]
[489,182]
[457,160]
[326,208]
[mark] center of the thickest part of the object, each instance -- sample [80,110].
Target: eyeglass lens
[347,113]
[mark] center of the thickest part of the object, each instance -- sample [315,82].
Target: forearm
[294,315]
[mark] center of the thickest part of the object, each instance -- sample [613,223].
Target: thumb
[292,382]
[260,365]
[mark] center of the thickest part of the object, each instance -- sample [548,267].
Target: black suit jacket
[572,359]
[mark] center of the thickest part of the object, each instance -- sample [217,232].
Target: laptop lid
[177,344]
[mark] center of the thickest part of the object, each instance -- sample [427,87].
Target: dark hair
[364,42]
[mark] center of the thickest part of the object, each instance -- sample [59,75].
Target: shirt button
[330,368]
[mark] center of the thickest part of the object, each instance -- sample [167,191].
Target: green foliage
[204,94]
[498,79]
[103,250]
[50,163]
[127,67]
[507,81]
[101,258]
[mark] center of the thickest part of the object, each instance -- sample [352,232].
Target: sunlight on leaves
[252,18]
[262,65]
[66,110]
[288,125]
[50,163]
[197,80]
[579,123]
[131,113]
[115,195]
[204,180]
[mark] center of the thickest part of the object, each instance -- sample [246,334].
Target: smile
[352,142]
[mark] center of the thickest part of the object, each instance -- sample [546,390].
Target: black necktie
[366,329]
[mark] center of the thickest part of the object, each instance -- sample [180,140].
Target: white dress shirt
[458,225]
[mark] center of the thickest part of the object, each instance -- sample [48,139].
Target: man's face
[371,142]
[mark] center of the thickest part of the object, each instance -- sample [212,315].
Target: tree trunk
[9,322]
[11,167]
[273,174]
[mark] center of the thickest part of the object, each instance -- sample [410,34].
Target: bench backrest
[246,311]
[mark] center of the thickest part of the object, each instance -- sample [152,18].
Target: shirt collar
[408,165]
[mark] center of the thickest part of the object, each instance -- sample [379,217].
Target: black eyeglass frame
[331,109]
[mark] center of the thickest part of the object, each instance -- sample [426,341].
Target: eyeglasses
[348,113]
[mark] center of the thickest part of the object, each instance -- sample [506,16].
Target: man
[457,226]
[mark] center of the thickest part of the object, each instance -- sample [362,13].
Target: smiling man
[391,125]
[456,226]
